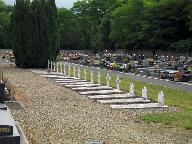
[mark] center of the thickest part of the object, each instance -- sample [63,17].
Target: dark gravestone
[2,92]
[8,130]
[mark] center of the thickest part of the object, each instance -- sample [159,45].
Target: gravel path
[56,115]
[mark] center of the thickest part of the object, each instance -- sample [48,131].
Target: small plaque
[6,130]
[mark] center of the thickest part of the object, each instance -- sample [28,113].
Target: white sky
[59,3]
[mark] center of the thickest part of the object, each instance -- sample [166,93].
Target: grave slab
[137,106]
[124,101]
[112,96]
[92,88]
[7,120]
[54,76]
[81,85]
[100,92]
[45,72]
[68,80]
[74,83]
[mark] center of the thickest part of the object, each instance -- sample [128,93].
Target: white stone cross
[144,93]
[92,75]
[51,66]
[57,67]
[69,70]
[99,77]
[131,89]
[48,65]
[79,72]
[160,99]
[61,68]
[85,74]
[74,71]
[118,81]
[108,78]
[54,66]
[64,69]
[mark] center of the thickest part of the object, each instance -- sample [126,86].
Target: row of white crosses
[53,66]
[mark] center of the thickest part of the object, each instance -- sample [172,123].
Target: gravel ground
[53,114]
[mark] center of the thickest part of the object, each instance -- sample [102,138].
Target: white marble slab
[75,83]
[92,88]
[82,85]
[130,100]
[53,76]
[137,106]
[100,92]
[68,80]
[112,96]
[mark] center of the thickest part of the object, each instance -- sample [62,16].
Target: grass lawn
[173,97]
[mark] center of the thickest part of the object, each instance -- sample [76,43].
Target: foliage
[5,34]
[35,32]
[69,29]
[183,45]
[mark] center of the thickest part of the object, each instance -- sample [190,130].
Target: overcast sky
[60,3]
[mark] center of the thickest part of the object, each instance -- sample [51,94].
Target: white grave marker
[69,70]
[64,69]
[74,70]
[51,66]
[48,65]
[85,74]
[118,81]
[160,99]
[79,72]
[92,75]
[144,93]
[54,66]
[99,77]
[131,90]
[108,78]
[57,67]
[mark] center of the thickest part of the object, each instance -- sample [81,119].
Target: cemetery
[95,72]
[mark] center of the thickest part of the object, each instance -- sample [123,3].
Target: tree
[5,20]
[69,29]
[35,33]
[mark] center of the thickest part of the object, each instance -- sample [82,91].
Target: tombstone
[118,81]
[131,89]
[54,66]
[51,66]
[144,93]
[146,62]
[57,67]
[79,72]
[132,63]
[160,99]
[74,71]
[69,70]
[92,76]
[48,65]
[64,69]
[85,74]
[108,78]
[99,77]
[8,131]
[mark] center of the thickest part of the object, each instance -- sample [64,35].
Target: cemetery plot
[112,96]
[8,131]
[137,106]
[82,85]
[105,94]
[124,101]
[92,88]
[101,92]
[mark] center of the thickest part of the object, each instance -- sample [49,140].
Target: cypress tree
[35,30]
